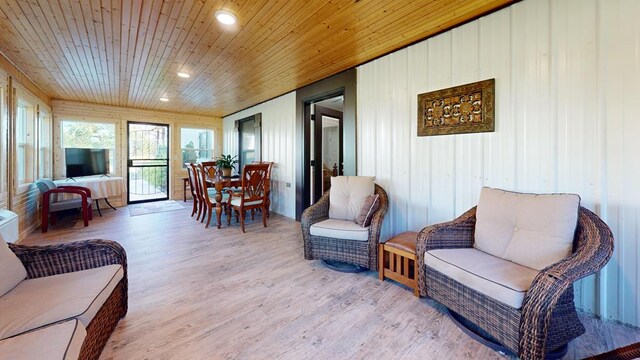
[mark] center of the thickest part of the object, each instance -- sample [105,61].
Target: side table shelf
[397,260]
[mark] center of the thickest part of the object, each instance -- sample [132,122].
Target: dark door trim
[306,166]
[130,162]
[318,175]
[257,124]
[342,83]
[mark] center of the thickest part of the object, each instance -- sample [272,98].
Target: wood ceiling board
[20,41]
[127,53]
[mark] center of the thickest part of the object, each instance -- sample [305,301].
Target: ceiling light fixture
[165,99]
[226,17]
[184,74]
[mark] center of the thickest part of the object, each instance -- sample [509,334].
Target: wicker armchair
[361,253]
[548,318]
[41,261]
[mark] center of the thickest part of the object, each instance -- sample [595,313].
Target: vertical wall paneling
[566,93]
[619,69]
[468,170]
[419,175]
[278,145]
[442,192]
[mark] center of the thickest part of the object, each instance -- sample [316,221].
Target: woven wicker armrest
[75,256]
[594,247]
[313,214]
[316,212]
[457,233]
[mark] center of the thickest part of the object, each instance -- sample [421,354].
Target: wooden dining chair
[208,194]
[198,192]
[252,194]
[268,206]
[210,168]
[192,188]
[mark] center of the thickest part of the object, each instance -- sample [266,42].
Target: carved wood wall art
[461,109]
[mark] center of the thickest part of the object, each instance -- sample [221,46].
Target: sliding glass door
[148,162]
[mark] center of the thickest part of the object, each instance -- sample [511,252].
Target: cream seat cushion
[41,301]
[497,278]
[347,195]
[236,202]
[59,341]
[340,229]
[12,272]
[531,230]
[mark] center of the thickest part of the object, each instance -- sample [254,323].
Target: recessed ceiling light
[165,99]
[226,17]
[184,74]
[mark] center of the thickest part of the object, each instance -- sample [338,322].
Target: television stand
[106,175]
[98,205]
[101,188]
[71,178]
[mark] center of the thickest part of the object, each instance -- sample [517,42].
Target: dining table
[220,183]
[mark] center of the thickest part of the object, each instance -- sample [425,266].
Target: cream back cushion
[528,229]
[12,272]
[347,195]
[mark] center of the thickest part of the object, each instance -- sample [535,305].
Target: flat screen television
[86,162]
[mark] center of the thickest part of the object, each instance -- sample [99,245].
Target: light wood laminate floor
[197,293]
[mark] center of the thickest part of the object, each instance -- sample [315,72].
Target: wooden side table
[397,260]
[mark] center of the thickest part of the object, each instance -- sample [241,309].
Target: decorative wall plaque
[461,109]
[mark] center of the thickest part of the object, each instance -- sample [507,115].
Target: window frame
[4,146]
[200,129]
[114,160]
[45,148]
[28,145]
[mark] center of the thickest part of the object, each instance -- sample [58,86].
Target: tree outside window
[196,145]
[90,135]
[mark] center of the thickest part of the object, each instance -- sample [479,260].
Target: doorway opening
[337,92]
[326,137]
[147,162]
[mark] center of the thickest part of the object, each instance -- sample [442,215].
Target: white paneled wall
[567,75]
[278,145]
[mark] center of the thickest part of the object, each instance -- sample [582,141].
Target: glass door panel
[148,162]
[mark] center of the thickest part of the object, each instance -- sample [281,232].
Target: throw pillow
[347,194]
[371,204]
[12,272]
[534,230]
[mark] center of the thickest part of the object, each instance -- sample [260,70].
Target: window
[196,145]
[44,146]
[25,142]
[3,145]
[90,135]
[249,140]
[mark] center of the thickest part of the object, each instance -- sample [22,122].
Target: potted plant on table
[226,163]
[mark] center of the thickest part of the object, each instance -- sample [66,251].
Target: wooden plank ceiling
[127,52]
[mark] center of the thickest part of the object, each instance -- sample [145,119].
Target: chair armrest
[594,249]
[458,233]
[316,212]
[236,194]
[375,228]
[47,195]
[313,214]
[74,187]
[51,260]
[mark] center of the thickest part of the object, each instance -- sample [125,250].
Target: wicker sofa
[547,318]
[68,305]
[362,252]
